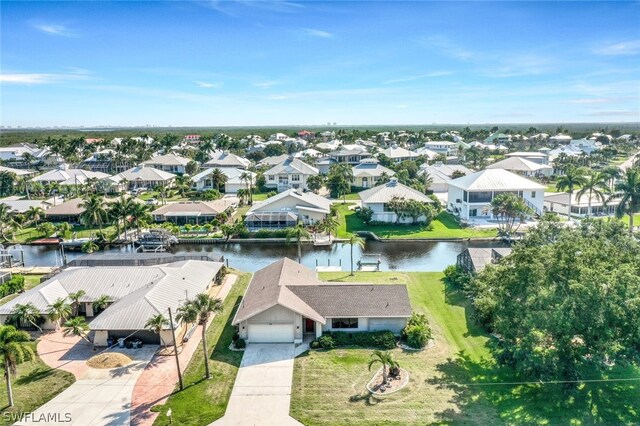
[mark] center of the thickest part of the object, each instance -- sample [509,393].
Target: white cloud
[266,84]
[206,85]
[44,78]
[418,77]
[54,29]
[591,101]
[447,47]
[623,48]
[317,33]
[516,66]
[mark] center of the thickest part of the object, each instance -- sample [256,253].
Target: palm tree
[34,214]
[27,313]
[101,303]
[247,178]
[94,213]
[384,358]
[202,307]
[75,299]
[628,190]
[156,324]
[119,210]
[77,327]
[427,181]
[354,240]
[89,247]
[573,177]
[186,314]
[218,178]
[13,352]
[596,186]
[138,215]
[59,311]
[298,232]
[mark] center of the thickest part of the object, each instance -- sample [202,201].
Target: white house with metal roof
[67,176]
[285,302]
[470,196]
[398,154]
[169,163]
[291,173]
[286,209]
[523,167]
[441,174]
[368,173]
[202,181]
[378,198]
[227,159]
[141,177]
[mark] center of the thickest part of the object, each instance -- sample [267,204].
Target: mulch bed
[394,384]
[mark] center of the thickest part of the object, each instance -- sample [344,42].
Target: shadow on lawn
[455,297]
[35,375]
[221,351]
[486,393]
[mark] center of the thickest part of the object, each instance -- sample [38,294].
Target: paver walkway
[261,394]
[159,379]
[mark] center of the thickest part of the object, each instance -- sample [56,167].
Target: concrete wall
[363,325]
[455,199]
[392,324]
[380,215]
[289,204]
[274,315]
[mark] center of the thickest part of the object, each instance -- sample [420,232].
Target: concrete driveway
[261,394]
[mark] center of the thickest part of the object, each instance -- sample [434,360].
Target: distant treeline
[13,136]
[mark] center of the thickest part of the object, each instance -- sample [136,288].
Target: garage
[270,333]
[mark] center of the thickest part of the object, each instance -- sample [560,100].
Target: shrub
[457,277]
[14,285]
[326,342]
[417,331]
[240,344]
[437,204]
[375,339]
[314,344]
[235,337]
[366,214]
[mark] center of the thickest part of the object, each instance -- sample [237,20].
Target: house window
[295,178]
[344,323]
[272,177]
[533,194]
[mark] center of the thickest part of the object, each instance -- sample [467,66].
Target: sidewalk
[159,379]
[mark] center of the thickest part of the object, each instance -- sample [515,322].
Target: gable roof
[17,172]
[227,159]
[232,173]
[69,176]
[194,208]
[494,179]
[385,192]
[168,160]
[299,199]
[398,152]
[518,164]
[143,174]
[371,167]
[292,165]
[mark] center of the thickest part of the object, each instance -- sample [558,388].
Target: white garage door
[270,333]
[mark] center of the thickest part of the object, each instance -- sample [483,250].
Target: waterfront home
[274,160]
[470,196]
[14,155]
[379,197]
[285,302]
[441,174]
[286,209]
[368,173]
[537,157]
[291,173]
[475,259]
[67,176]
[523,167]
[135,293]
[202,181]
[398,154]
[17,172]
[227,159]
[442,147]
[17,204]
[352,154]
[169,163]
[558,202]
[69,211]
[140,177]
[193,212]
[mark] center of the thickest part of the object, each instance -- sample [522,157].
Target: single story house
[140,177]
[202,181]
[558,202]
[537,157]
[136,294]
[285,302]
[227,159]
[442,173]
[193,212]
[169,163]
[66,176]
[292,173]
[17,204]
[69,211]
[522,166]
[398,154]
[368,172]
[475,259]
[17,172]
[470,196]
[378,198]
[286,209]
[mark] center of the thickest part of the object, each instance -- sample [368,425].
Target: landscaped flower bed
[394,383]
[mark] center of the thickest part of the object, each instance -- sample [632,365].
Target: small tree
[354,240]
[298,233]
[156,324]
[366,214]
[386,359]
[75,299]
[59,311]
[27,313]
[509,208]
[101,303]
[13,351]
[77,327]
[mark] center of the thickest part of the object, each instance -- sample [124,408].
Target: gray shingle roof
[385,192]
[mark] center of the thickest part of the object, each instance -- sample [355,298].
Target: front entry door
[309,325]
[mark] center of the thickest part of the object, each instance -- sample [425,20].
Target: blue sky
[229,63]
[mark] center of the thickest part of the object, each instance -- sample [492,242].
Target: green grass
[447,384]
[28,234]
[30,281]
[33,386]
[551,188]
[203,401]
[444,226]
[260,197]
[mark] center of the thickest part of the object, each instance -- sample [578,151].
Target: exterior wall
[289,204]
[100,338]
[580,211]
[297,331]
[392,324]
[363,325]
[456,203]
[232,188]
[275,315]
[380,215]
[286,182]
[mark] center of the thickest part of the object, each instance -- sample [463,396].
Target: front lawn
[455,382]
[30,233]
[443,226]
[33,386]
[204,401]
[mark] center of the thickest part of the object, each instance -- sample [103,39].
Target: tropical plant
[354,240]
[119,210]
[59,311]
[13,351]
[46,228]
[27,313]
[628,191]
[34,214]
[297,233]
[247,178]
[156,324]
[75,300]
[89,247]
[509,208]
[426,180]
[218,178]
[94,213]
[7,182]
[366,214]
[595,186]
[101,303]
[572,178]
[386,359]
[339,180]
[77,327]
[315,183]
[203,307]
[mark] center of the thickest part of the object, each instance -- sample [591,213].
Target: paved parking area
[261,394]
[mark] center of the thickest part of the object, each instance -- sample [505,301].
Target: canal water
[423,256]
